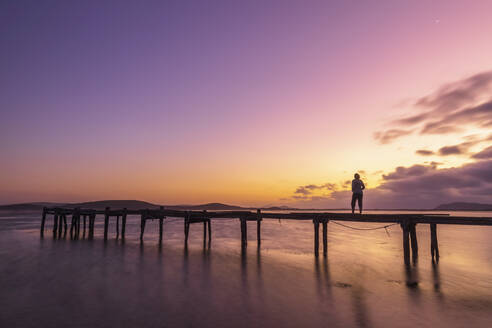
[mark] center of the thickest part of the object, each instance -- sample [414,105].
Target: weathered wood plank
[325,237]
[434,244]
[316,237]
[406,242]
[414,243]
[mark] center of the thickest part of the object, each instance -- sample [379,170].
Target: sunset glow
[244,102]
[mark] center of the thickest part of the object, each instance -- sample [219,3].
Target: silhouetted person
[357,187]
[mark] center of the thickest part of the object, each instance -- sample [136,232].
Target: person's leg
[354,197]
[360,203]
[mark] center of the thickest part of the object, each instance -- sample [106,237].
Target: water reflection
[411,275]
[156,285]
[359,305]
[322,275]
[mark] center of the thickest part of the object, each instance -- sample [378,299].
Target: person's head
[357,176]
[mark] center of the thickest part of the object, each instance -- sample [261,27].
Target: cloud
[450,109]
[302,191]
[480,116]
[404,172]
[424,152]
[450,150]
[308,189]
[484,154]
[389,136]
[419,187]
[452,96]
[460,149]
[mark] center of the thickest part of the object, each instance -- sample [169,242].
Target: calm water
[362,282]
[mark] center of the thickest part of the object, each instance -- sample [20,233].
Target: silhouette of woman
[357,187]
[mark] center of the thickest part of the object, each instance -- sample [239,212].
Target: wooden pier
[407,222]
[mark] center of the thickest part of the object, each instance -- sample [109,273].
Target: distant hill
[135,205]
[209,207]
[27,206]
[461,206]
[102,204]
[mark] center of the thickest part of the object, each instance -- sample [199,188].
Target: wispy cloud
[424,152]
[388,136]
[484,154]
[454,106]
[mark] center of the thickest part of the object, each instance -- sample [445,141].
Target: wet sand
[362,283]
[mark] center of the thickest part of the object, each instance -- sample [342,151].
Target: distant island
[138,204]
[462,206]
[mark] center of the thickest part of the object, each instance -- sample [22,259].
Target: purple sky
[241,101]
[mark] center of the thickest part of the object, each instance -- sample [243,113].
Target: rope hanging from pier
[354,228]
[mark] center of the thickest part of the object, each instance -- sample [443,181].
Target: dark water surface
[362,283]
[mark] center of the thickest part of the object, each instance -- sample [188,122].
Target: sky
[251,103]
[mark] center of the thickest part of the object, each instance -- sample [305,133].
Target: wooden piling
[142,226]
[85,216]
[92,225]
[244,232]
[64,225]
[434,244]
[43,219]
[89,230]
[117,226]
[406,242]
[325,237]
[316,237]
[77,218]
[258,226]
[414,243]
[106,223]
[55,224]
[161,223]
[209,222]
[60,226]
[72,226]
[123,224]
[187,226]
[204,227]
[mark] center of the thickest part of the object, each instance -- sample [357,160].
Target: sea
[362,282]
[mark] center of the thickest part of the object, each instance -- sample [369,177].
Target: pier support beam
[161,223]
[316,237]
[72,227]
[55,224]
[123,224]
[258,227]
[434,245]
[117,227]
[244,232]
[60,227]
[325,237]
[43,220]
[77,218]
[64,225]
[106,223]
[406,242]
[142,226]
[85,218]
[187,227]
[414,243]
[92,218]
